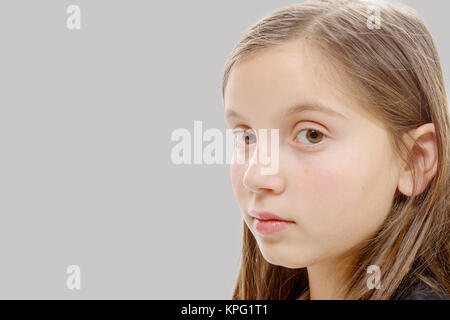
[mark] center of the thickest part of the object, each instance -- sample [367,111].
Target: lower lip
[270,226]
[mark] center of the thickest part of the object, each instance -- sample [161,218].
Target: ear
[424,159]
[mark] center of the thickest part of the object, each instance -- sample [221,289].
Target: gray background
[85,124]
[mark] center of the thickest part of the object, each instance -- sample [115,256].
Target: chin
[284,261]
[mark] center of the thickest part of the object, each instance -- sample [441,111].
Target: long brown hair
[396,68]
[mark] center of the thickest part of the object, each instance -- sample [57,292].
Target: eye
[310,135]
[244,137]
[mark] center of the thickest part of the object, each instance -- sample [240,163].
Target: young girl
[358,208]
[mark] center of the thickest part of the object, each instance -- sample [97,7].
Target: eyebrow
[230,113]
[313,107]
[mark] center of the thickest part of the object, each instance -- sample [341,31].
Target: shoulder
[420,290]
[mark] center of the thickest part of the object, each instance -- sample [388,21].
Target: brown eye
[312,136]
[244,138]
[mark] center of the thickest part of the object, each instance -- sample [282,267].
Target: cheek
[341,195]
[321,187]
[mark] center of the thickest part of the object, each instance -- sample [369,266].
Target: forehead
[288,74]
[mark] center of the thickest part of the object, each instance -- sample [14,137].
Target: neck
[327,278]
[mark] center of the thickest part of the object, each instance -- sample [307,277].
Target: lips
[267,223]
[266,216]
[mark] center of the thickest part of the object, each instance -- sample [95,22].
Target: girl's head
[363,148]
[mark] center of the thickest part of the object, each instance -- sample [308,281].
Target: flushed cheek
[329,195]
[342,201]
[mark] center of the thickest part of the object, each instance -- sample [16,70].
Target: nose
[256,181]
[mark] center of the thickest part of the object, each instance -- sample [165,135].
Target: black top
[422,291]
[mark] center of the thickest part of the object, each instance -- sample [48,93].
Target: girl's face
[337,173]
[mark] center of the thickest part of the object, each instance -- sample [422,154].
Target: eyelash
[304,129]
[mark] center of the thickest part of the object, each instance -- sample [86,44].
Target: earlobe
[424,157]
